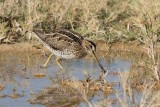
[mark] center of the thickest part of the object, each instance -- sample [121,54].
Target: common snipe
[67,44]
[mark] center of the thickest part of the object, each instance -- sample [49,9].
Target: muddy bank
[19,48]
[102,47]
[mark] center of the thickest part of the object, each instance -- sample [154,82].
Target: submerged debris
[70,92]
[89,85]
[57,95]
[39,75]
[140,86]
[1,86]
[13,95]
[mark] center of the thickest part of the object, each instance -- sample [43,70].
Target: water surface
[17,75]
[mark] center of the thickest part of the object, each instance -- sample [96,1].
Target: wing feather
[60,39]
[58,42]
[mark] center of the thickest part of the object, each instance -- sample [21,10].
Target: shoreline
[27,47]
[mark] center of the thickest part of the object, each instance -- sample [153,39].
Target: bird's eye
[92,47]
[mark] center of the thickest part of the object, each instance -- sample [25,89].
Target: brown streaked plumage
[67,44]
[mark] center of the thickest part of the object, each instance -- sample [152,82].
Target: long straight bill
[99,62]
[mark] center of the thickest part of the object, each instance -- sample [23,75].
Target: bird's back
[63,43]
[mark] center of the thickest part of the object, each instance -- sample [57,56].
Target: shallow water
[17,75]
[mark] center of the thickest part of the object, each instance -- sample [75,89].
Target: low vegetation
[108,20]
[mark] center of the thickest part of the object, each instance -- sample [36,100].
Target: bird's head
[89,46]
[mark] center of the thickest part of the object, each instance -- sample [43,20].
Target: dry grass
[127,96]
[108,20]
[149,97]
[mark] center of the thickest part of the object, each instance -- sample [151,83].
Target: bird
[67,44]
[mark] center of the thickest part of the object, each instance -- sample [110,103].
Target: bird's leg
[59,64]
[49,58]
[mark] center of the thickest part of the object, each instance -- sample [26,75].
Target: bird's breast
[74,51]
[69,54]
